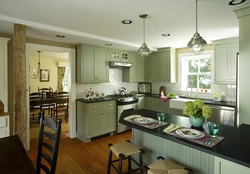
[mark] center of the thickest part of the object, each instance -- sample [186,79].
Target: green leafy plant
[197,109]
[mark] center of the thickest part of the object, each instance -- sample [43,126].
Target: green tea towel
[132,117]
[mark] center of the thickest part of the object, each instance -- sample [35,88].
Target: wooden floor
[76,157]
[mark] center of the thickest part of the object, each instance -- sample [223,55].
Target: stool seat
[164,166]
[125,148]
[124,151]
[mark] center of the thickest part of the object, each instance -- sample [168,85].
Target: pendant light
[196,45]
[144,51]
[35,73]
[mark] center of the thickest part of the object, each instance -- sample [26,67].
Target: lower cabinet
[175,111]
[222,166]
[95,119]
[159,105]
[4,126]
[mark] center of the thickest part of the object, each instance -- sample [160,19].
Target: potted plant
[198,112]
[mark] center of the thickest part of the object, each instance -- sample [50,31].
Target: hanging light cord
[196,16]
[144,29]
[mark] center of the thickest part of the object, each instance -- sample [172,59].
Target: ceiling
[99,22]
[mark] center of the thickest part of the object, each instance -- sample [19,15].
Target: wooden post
[19,71]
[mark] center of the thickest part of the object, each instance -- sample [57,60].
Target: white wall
[115,77]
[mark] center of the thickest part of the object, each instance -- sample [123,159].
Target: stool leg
[129,163]
[141,161]
[109,162]
[120,166]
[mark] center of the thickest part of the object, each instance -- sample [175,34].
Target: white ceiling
[99,21]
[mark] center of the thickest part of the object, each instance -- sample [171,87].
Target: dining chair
[46,92]
[62,105]
[48,144]
[35,102]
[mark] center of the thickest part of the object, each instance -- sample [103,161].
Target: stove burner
[123,98]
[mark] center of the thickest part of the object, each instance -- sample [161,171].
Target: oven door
[120,109]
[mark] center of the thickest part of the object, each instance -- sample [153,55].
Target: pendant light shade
[35,73]
[144,51]
[196,44]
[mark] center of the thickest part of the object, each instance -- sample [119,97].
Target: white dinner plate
[144,120]
[190,133]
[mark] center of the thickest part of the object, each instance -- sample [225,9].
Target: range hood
[116,64]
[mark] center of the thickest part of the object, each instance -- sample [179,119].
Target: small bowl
[217,99]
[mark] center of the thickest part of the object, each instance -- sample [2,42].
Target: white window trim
[209,53]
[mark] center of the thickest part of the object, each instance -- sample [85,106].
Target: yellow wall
[46,63]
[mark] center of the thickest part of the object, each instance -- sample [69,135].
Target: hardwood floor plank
[76,157]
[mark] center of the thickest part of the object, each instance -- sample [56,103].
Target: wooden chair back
[48,144]
[35,104]
[62,104]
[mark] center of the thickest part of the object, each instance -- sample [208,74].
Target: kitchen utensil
[122,91]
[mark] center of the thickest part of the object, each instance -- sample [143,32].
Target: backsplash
[228,90]
[115,78]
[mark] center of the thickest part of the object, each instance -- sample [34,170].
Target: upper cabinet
[160,66]
[225,52]
[3,73]
[136,72]
[92,64]
[118,55]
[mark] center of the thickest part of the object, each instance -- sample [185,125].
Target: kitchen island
[229,156]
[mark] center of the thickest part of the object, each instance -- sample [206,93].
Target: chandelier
[144,51]
[35,72]
[196,45]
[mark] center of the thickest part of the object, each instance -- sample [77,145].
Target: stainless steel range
[124,103]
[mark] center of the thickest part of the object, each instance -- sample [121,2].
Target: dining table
[13,157]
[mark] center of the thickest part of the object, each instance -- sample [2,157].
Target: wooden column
[19,87]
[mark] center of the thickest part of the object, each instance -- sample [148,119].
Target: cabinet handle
[110,104]
[95,107]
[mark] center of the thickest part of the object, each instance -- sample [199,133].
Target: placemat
[202,140]
[153,125]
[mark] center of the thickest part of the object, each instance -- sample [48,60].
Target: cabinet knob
[95,107]
[110,104]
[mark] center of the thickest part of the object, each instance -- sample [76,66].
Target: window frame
[183,79]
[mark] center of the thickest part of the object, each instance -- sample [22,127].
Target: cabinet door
[225,63]
[148,103]
[155,67]
[136,72]
[101,69]
[147,69]
[88,64]
[222,63]
[117,55]
[164,70]
[95,124]
[222,166]
[108,121]
[141,102]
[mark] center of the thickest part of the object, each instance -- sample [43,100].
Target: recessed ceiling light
[126,21]
[165,34]
[236,2]
[109,45]
[60,36]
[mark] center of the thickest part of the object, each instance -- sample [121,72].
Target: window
[196,72]
[65,82]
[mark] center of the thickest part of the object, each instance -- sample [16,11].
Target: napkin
[172,127]
[131,117]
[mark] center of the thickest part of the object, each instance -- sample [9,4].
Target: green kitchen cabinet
[92,64]
[175,111]
[161,66]
[225,51]
[136,72]
[95,119]
[159,105]
[148,103]
[118,55]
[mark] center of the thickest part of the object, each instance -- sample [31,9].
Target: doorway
[71,83]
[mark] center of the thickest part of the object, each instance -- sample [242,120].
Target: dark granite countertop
[94,100]
[206,101]
[235,146]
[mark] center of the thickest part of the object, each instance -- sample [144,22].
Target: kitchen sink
[179,103]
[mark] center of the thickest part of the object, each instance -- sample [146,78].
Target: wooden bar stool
[124,151]
[163,165]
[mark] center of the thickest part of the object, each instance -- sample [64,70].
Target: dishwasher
[223,115]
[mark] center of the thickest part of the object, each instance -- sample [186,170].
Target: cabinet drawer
[100,106]
[159,102]
[3,122]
